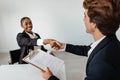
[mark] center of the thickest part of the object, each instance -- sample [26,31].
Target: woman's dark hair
[105,13]
[22,19]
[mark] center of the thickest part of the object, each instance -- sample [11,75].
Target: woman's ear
[21,25]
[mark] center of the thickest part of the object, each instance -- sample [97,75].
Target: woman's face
[89,25]
[27,25]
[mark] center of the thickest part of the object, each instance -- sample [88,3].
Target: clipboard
[30,55]
[41,60]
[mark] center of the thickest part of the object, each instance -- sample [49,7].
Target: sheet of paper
[42,60]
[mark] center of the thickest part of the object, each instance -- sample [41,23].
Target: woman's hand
[54,44]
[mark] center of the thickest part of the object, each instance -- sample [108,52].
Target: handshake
[56,45]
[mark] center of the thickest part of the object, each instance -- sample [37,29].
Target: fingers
[47,69]
[44,71]
[46,74]
[56,45]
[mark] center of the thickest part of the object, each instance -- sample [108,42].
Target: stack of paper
[42,60]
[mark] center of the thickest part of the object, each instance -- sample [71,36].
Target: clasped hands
[56,45]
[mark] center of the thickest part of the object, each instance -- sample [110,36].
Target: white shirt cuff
[40,42]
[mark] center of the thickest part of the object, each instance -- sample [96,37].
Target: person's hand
[54,44]
[47,41]
[46,74]
[57,45]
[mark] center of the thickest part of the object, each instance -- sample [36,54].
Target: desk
[24,72]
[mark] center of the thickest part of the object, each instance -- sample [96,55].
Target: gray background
[57,19]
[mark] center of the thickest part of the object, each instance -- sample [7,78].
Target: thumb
[47,69]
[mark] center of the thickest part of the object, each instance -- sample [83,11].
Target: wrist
[63,46]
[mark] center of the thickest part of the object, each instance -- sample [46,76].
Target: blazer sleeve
[25,41]
[42,48]
[53,78]
[77,49]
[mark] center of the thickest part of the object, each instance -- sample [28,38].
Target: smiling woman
[28,40]
[26,24]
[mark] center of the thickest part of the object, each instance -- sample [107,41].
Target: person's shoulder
[21,33]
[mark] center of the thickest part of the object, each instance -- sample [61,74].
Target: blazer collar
[101,45]
[25,34]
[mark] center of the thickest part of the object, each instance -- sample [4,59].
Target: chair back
[15,55]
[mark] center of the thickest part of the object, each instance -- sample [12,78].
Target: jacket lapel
[97,48]
[26,35]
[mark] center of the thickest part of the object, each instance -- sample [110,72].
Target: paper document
[42,60]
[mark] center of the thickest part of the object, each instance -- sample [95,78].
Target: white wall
[58,19]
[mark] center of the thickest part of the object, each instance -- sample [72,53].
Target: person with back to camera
[28,39]
[102,20]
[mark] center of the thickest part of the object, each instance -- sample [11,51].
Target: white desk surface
[24,72]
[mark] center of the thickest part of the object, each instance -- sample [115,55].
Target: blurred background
[58,19]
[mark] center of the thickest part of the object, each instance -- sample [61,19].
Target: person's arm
[77,49]
[25,41]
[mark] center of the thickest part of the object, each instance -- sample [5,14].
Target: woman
[102,20]
[28,39]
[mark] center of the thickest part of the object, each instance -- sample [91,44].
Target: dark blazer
[26,43]
[104,61]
